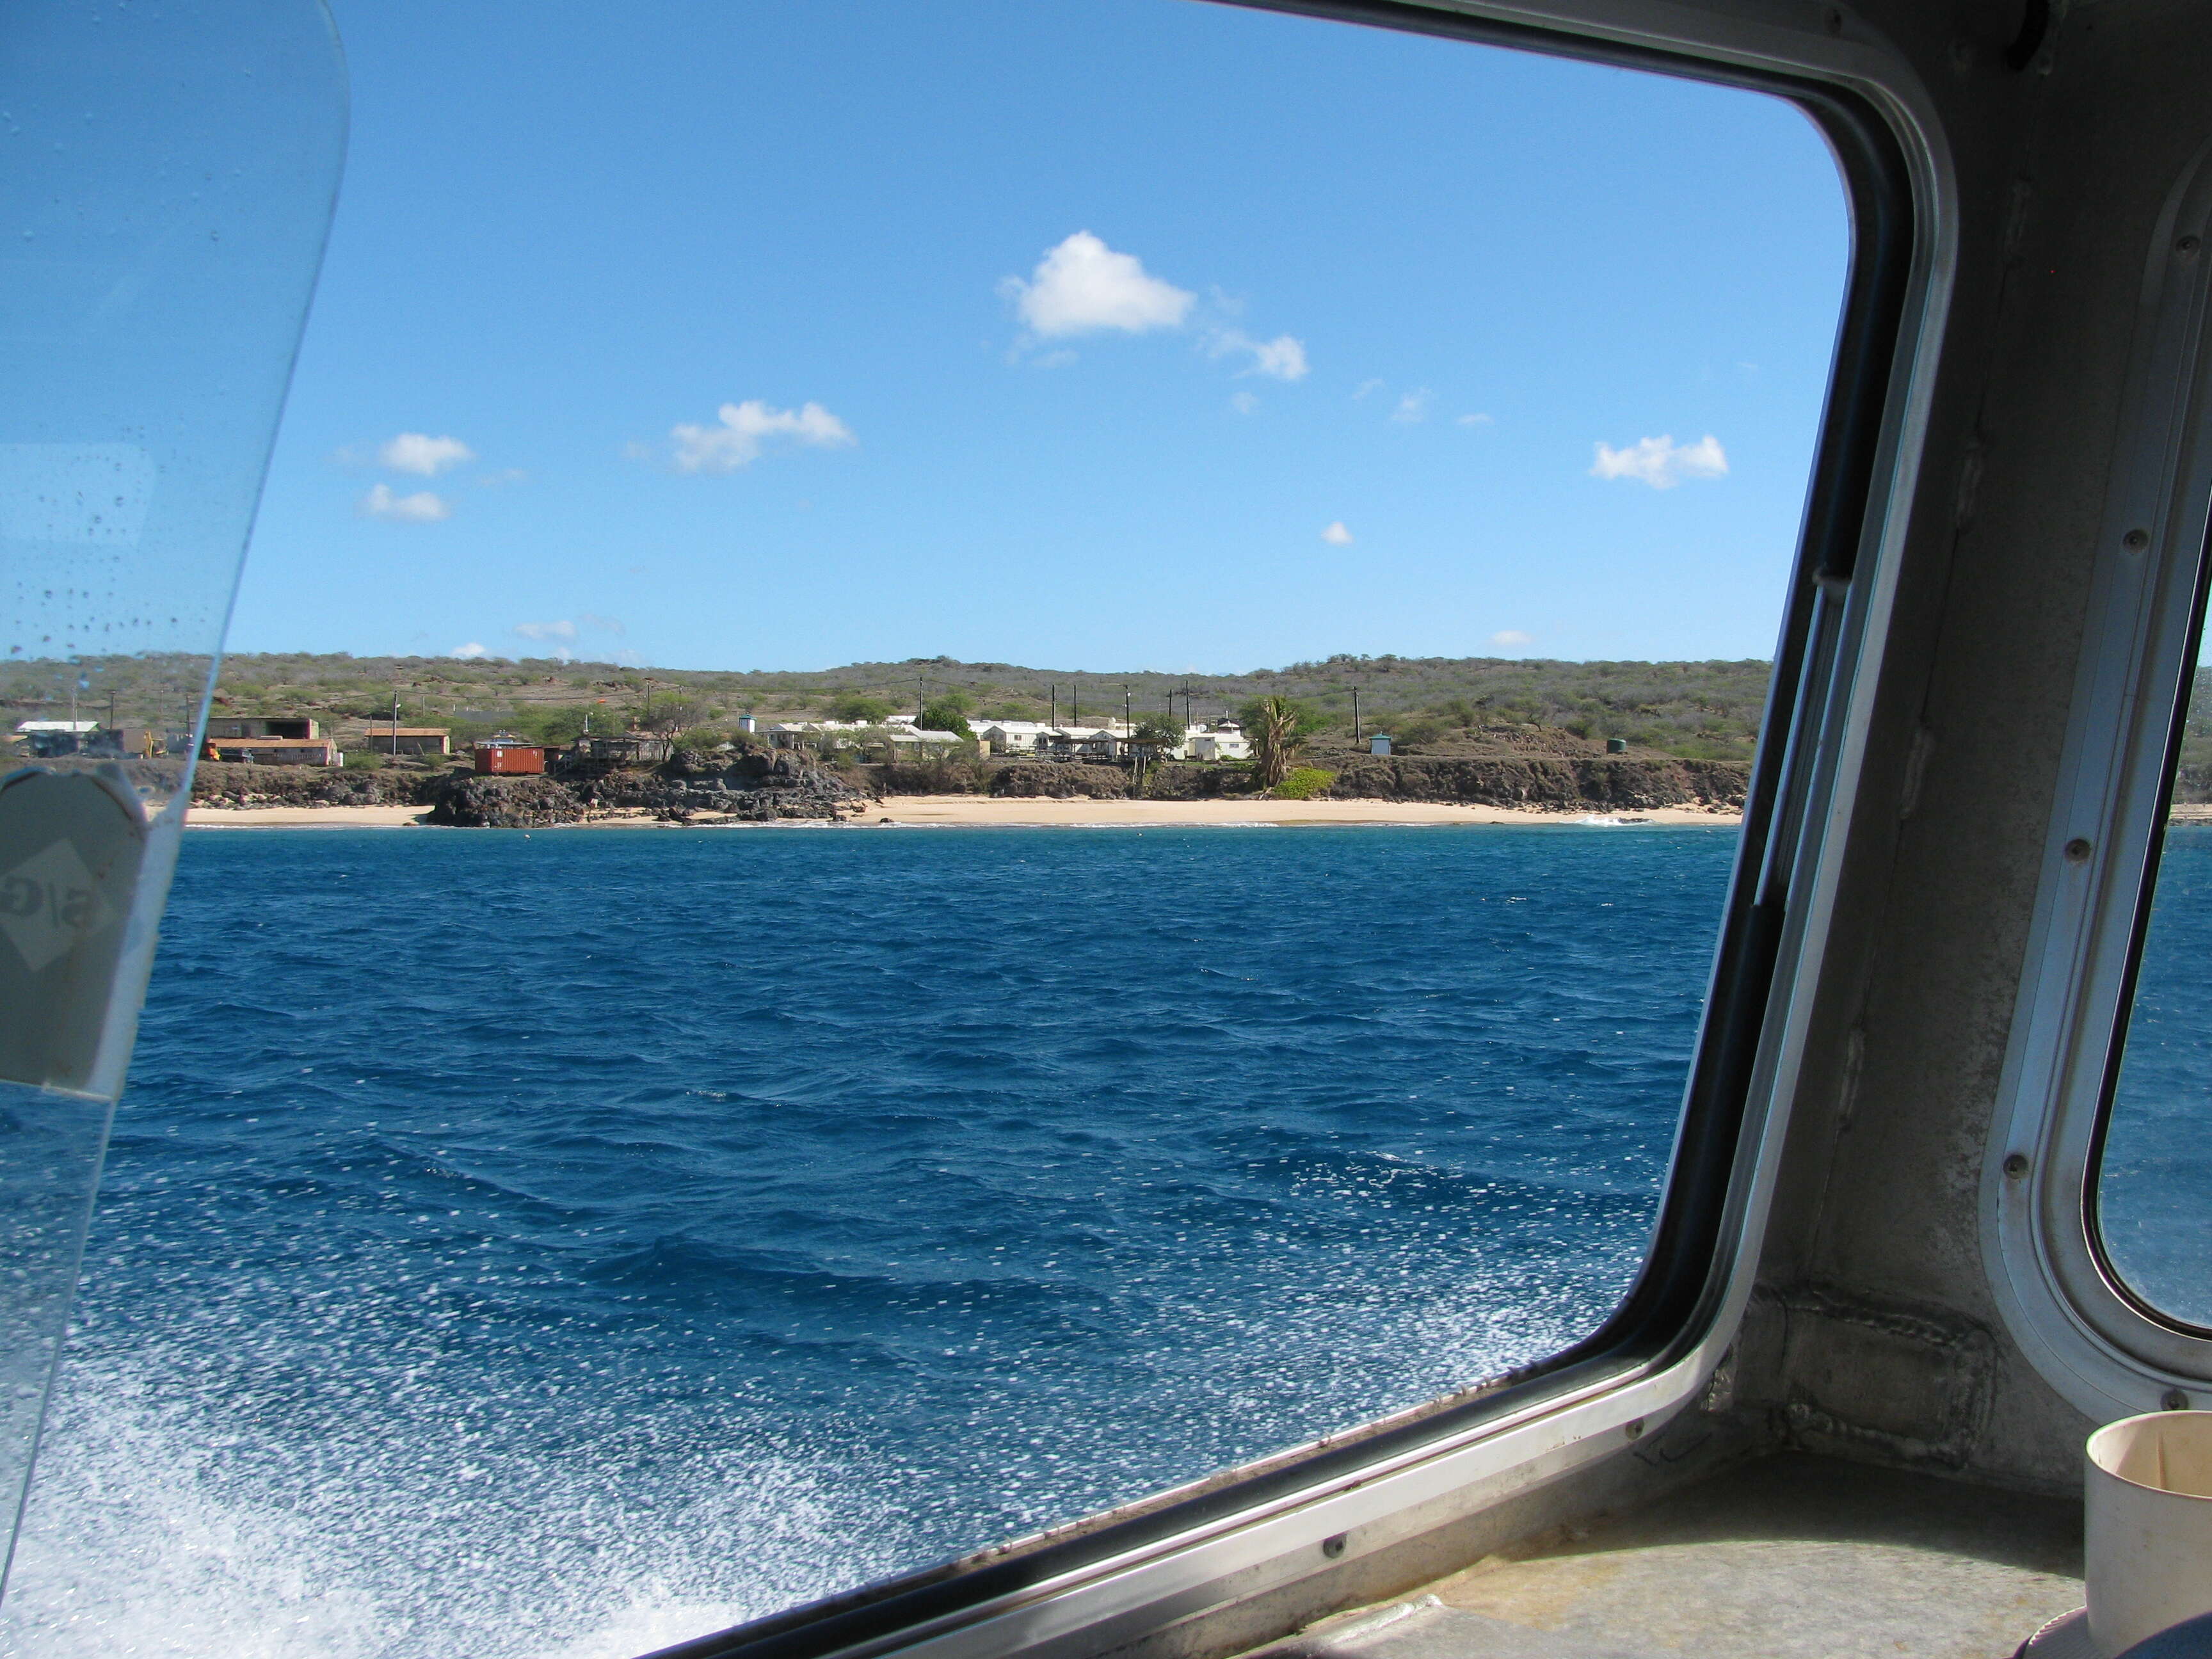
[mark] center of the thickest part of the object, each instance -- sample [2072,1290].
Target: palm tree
[1275,728]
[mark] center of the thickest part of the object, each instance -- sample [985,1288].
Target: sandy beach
[304,818]
[913,811]
[981,809]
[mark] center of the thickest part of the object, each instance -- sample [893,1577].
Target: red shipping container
[508,759]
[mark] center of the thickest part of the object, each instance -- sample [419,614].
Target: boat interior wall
[1878,1331]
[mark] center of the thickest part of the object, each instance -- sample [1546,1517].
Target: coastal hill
[1689,710]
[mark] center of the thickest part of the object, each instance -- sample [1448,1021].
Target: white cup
[2149,1511]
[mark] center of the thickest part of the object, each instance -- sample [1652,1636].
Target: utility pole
[1074,696]
[395,720]
[1355,715]
[1053,693]
[648,705]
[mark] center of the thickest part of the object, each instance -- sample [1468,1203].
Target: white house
[1102,741]
[1223,740]
[1015,737]
[899,731]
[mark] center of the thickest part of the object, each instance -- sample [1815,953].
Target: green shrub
[363,760]
[1303,783]
[946,713]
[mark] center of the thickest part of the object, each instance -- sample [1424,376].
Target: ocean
[2155,1186]
[520,1246]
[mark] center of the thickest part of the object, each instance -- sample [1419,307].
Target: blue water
[2156,1194]
[563,1243]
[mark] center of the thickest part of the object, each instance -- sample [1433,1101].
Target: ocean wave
[555,1250]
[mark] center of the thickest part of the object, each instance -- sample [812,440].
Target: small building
[48,739]
[274,752]
[748,723]
[897,734]
[131,742]
[1379,743]
[631,749]
[390,739]
[261,725]
[1015,737]
[510,757]
[921,737]
[1223,740]
[1077,743]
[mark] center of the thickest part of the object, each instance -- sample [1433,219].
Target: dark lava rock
[1183,781]
[470,801]
[1060,781]
[755,789]
[1541,783]
[218,783]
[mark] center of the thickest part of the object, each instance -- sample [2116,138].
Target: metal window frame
[1104,1581]
[2103,1349]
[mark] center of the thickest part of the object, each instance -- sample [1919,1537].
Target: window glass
[1370,466]
[2154,1187]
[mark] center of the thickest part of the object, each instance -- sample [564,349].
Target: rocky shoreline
[1539,783]
[762,786]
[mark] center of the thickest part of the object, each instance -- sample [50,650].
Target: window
[2153,1181]
[531,1240]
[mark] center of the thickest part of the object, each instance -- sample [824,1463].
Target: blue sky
[1082,333]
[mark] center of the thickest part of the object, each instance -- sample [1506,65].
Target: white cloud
[1243,402]
[1414,405]
[1283,357]
[473,648]
[1336,535]
[1477,420]
[1661,462]
[1365,388]
[552,630]
[605,624]
[420,452]
[745,427]
[1082,286]
[1512,636]
[422,508]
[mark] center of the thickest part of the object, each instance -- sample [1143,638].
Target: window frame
[1102,1581]
[2104,1349]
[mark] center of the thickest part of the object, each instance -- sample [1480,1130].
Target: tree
[1160,730]
[946,713]
[568,723]
[674,713]
[1277,728]
[860,706]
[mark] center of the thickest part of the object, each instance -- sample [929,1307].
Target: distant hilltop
[1692,710]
